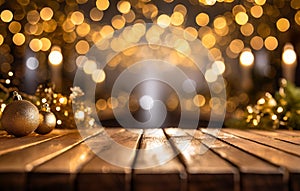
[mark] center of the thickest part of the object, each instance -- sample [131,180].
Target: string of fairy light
[48,29]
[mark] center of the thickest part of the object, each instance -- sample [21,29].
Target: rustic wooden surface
[203,159]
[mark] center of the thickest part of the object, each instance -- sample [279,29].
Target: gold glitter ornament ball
[47,121]
[20,117]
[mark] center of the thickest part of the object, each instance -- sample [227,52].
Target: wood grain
[255,174]
[206,170]
[18,163]
[286,161]
[278,136]
[280,145]
[156,164]
[99,174]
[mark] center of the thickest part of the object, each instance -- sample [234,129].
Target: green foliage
[281,111]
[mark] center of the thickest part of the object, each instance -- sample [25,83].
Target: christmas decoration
[63,106]
[20,117]
[281,111]
[47,120]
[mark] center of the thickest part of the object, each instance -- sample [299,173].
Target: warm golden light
[68,26]
[6,16]
[123,7]
[208,40]
[129,17]
[246,58]
[33,17]
[220,22]
[150,11]
[19,39]
[190,33]
[247,29]
[102,5]
[118,21]
[98,76]
[202,19]
[35,45]
[236,46]
[289,56]
[1,39]
[256,11]
[163,20]
[55,57]
[271,43]
[83,29]
[181,9]
[241,18]
[107,31]
[283,24]
[199,100]
[238,8]
[257,42]
[101,104]
[14,27]
[96,14]
[260,2]
[82,47]
[46,13]
[77,18]
[46,44]
[295,4]
[297,17]
[207,2]
[177,19]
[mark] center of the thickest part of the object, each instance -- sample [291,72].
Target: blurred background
[254,43]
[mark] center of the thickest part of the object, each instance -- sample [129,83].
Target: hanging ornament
[20,117]
[47,120]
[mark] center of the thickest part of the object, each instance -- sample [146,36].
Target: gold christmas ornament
[47,120]
[20,117]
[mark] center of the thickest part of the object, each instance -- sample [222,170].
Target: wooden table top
[233,160]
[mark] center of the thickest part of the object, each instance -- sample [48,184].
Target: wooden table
[234,160]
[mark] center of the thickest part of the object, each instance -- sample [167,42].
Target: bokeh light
[123,6]
[271,43]
[6,16]
[246,58]
[55,57]
[46,13]
[283,24]
[102,5]
[163,20]
[19,39]
[202,19]
[32,63]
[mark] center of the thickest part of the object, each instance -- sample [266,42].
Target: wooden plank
[59,173]
[99,174]
[278,136]
[255,174]
[295,133]
[156,167]
[11,143]
[277,157]
[14,165]
[284,146]
[206,170]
